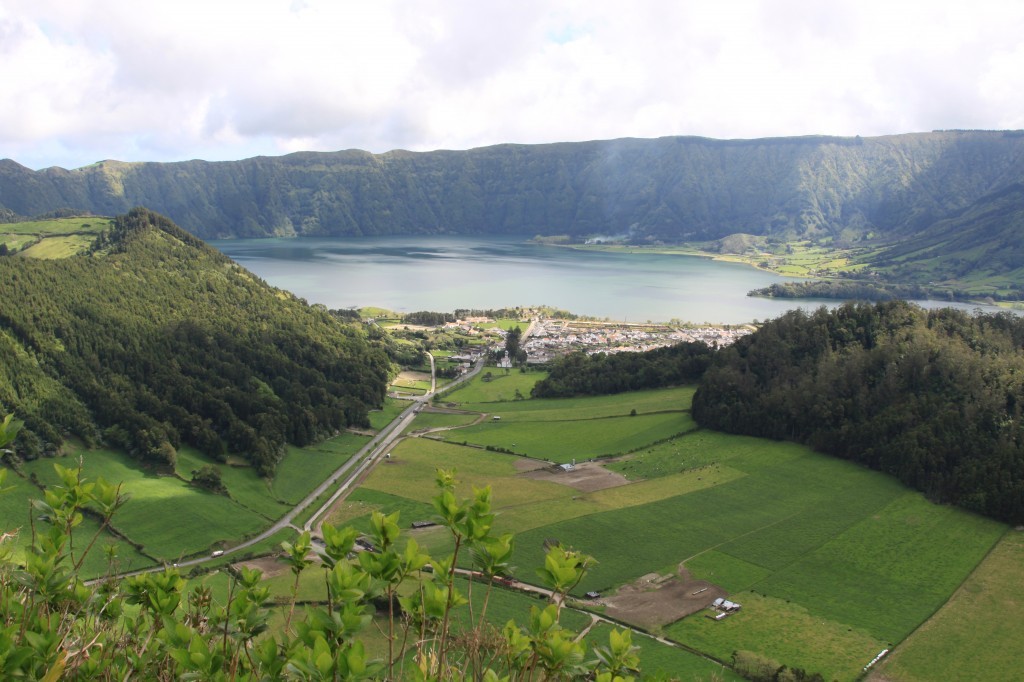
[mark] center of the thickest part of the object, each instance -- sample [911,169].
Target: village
[549,338]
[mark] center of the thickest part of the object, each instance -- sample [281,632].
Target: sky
[157,80]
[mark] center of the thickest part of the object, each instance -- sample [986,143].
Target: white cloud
[164,80]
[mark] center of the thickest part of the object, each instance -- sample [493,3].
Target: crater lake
[442,273]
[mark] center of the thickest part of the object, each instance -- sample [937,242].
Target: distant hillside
[149,339]
[671,189]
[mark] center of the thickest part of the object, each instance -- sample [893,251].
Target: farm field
[392,408]
[200,519]
[437,420]
[831,562]
[172,519]
[14,510]
[977,634]
[561,441]
[500,387]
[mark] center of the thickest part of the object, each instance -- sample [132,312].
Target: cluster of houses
[551,338]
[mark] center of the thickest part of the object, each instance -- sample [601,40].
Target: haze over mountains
[843,190]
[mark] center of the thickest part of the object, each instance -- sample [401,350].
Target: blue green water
[410,273]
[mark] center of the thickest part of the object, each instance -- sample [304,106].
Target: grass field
[560,441]
[831,561]
[55,238]
[657,658]
[392,408]
[14,511]
[436,420]
[166,515]
[977,634]
[302,469]
[500,388]
[172,519]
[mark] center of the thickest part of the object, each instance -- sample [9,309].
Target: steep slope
[672,189]
[986,239]
[153,339]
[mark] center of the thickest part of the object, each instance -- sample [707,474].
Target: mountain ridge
[669,189]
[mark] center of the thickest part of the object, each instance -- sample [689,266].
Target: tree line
[934,398]
[602,373]
[155,339]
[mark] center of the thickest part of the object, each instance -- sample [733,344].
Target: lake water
[409,273]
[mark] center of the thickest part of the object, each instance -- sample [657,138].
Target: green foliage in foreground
[54,626]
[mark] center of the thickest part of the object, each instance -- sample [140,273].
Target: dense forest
[935,398]
[603,373]
[153,339]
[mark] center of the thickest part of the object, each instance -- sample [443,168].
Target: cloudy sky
[162,80]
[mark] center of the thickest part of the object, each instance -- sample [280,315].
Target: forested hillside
[605,373]
[153,339]
[935,398]
[673,189]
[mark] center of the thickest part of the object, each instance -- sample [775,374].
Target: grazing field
[392,408]
[54,238]
[493,386]
[672,662]
[852,549]
[244,485]
[977,634]
[167,516]
[172,519]
[561,441]
[15,513]
[439,420]
[303,469]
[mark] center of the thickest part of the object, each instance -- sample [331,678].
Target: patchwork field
[831,562]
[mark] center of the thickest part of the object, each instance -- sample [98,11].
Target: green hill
[148,338]
[931,397]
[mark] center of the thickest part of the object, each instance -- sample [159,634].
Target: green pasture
[243,483]
[392,408]
[508,324]
[783,631]
[657,658]
[977,634]
[303,469]
[438,420]
[172,519]
[61,246]
[500,388]
[843,542]
[167,516]
[56,226]
[16,521]
[591,407]
[560,441]
[54,238]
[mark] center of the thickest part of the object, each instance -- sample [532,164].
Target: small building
[592,595]
[496,418]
